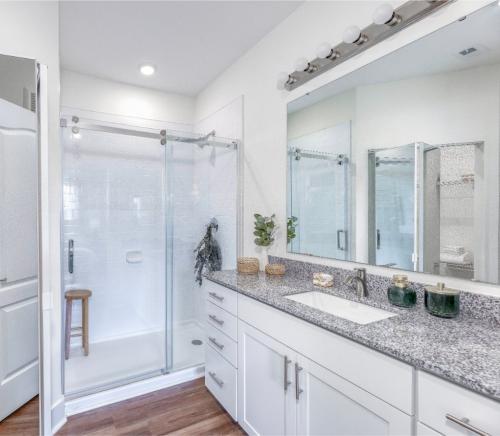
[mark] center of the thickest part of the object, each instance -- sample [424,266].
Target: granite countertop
[464,350]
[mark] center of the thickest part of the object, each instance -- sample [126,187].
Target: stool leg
[69,308]
[85,325]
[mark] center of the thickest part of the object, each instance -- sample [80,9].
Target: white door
[18,257]
[266,401]
[330,405]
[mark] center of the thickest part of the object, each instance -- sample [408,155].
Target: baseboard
[58,415]
[100,399]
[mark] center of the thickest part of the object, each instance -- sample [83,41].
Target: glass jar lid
[440,288]
[400,280]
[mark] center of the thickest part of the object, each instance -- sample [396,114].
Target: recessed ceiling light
[147,70]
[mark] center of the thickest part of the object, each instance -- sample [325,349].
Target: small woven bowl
[248,265]
[275,269]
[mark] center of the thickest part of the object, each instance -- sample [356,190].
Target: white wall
[90,93]
[254,76]
[30,29]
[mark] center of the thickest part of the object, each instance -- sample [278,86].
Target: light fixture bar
[407,14]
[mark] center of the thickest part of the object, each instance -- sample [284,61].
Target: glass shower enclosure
[136,202]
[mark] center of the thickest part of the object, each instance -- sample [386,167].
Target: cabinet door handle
[464,422]
[298,391]
[214,341]
[216,296]
[215,319]
[286,382]
[216,379]
[4,279]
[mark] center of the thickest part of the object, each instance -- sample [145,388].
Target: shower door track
[162,135]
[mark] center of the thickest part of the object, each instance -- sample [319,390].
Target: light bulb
[301,64]
[384,14]
[323,50]
[147,70]
[351,34]
[282,79]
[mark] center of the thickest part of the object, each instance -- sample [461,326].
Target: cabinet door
[330,405]
[266,402]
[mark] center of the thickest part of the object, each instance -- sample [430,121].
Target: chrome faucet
[360,278]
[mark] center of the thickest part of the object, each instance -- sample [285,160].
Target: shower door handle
[378,239]
[342,246]
[71,255]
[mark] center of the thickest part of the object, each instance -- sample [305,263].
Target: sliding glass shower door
[114,208]
[393,207]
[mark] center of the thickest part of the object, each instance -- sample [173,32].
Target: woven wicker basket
[275,269]
[248,265]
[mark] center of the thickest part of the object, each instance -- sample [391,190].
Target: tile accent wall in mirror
[397,163]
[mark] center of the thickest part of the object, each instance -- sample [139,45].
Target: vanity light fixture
[147,69]
[353,35]
[384,14]
[386,22]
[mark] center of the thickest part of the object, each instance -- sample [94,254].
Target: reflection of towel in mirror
[461,259]
[453,249]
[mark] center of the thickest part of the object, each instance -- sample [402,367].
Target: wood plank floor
[185,409]
[23,422]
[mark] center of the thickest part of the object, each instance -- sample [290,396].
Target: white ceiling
[189,42]
[433,54]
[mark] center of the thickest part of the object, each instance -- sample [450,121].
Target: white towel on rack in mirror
[459,259]
[453,249]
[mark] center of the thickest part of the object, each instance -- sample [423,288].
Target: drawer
[222,320]
[223,344]
[438,398]
[221,296]
[220,380]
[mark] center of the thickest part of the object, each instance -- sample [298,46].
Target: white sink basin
[356,312]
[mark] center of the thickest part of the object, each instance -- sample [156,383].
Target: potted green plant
[264,232]
[291,225]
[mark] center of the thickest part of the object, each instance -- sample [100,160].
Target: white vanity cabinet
[280,375]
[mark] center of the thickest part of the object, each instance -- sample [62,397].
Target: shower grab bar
[71,255]
[215,319]
[216,296]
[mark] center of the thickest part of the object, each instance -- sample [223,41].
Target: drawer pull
[216,379]
[464,422]
[214,341]
[215,319]
[286,382]
[216,296]
[298,391]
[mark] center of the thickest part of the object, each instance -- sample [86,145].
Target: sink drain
[196,342]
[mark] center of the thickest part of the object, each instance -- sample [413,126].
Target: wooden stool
[83,331]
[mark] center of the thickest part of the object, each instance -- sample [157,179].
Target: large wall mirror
[397,164]
[19,315]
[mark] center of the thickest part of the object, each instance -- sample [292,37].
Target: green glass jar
[441,301]
[400,294]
